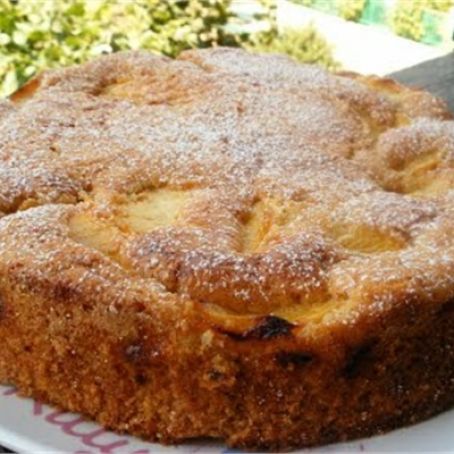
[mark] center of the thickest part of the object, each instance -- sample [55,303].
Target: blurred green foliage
[40,34]
[407,20]
[350,9]
[304,2]
[439,5]
[305,45]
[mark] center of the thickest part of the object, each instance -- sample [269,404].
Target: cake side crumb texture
[228,245]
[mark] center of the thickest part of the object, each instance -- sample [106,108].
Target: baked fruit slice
[228,245]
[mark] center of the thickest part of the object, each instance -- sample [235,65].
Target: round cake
[227,245]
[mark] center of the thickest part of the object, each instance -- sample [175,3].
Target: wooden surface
[436,76]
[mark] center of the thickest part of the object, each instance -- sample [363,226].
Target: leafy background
[40,34]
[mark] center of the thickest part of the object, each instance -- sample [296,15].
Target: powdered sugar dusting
[291,153]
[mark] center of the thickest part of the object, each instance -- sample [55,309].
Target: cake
[229,246]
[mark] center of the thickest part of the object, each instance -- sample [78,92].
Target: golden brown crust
[228,246]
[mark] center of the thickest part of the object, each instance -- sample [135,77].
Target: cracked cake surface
[228,245]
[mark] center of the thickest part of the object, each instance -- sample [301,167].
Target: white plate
[29,427]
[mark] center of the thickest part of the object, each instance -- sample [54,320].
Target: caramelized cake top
[250,184]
